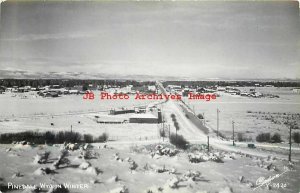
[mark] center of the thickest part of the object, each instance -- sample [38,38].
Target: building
[296,90]
[51,94]
[143,118]
[121,111]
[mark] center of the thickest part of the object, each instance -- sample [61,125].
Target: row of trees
[176,124]
[194,84]
[276,138]
[70,83]
[51,137]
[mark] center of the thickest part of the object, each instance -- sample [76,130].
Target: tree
[200,116]
[296,137]
[276,138]
[263,137]
[179,141]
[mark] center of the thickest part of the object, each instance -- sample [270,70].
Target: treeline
[51,137]
[194,84]
[69,83]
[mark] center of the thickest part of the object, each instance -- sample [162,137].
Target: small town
[149,96]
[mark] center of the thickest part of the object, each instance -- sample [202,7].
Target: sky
[200,40]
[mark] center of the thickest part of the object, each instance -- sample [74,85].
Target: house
[152,88]
[296,90]
[73,91]
[221,88]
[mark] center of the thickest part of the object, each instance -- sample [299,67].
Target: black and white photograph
[149,96]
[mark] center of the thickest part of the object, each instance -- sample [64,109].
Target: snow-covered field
[66,104]
[251,115]
[133,162]
[37,113]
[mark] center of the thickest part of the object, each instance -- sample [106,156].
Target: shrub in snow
[122,189]
[117,157]
[62,159]
[202,157]
[173,182]
[43,171]
[87,154]
[271,158]
[250,184]
[58,189]
[147,167]
[94,181]
[159,147]
[226,190]
[160,150]
[87,146]
[172,171]
[271,167]
[113,179]
[154,189]
[241,179]
[197,158]
[132,165]
[41,158]
[17,175]
[93,171]
[3,187]
[191,175]
[72,146]
[216,158]
[161,169]
[30,190]
[84,165]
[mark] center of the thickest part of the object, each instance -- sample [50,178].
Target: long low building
[143,118]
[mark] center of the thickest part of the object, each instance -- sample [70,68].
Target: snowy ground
[109,169]
[132,161]
[251,115]
[37,113]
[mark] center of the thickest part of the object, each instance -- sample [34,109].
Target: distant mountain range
[23,74]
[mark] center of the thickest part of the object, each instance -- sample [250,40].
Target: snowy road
[193,134]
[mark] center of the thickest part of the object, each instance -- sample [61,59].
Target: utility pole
[290,154]
[71,128]
[218,123]
[208,143]
[176,136]
[233,133]
[163,135]
[203,119]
